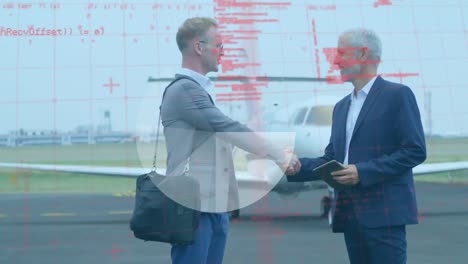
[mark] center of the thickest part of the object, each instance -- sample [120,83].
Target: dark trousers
[375,245]
[210,241]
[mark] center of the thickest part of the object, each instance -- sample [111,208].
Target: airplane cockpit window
[298,118]
[320,115]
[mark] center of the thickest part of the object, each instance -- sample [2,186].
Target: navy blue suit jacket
[387,142]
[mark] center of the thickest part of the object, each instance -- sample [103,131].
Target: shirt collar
[365,90]
[203,80]
[368,86]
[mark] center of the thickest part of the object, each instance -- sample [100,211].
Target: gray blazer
[194,127]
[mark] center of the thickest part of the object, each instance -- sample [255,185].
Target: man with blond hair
[199,136]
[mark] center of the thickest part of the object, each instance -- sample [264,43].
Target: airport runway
[93,228]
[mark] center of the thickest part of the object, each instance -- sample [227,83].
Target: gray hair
[361,37]
[192,28]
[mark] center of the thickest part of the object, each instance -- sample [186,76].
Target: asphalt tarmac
[93,228]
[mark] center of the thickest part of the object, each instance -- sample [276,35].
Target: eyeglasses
[219,45]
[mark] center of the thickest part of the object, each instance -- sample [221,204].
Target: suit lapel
[342,115]
[370,100]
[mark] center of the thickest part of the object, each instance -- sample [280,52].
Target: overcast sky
[60,82]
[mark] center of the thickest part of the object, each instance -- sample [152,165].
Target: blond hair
[192,28]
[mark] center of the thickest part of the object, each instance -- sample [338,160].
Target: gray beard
[351,73]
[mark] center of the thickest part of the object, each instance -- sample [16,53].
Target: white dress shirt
[357,101]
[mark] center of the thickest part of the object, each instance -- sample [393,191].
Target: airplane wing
[230,78]
[431,168]
[132,172]
[243,177]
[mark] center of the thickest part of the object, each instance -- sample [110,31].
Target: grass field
[446,150]
[13,180]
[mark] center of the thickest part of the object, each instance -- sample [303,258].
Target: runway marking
[130,193]
[119,212]
[57,214]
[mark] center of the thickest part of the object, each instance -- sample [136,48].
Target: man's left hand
[348,176]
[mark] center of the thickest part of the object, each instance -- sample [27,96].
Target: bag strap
[187,165]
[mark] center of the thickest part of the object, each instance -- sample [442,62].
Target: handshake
[290,165]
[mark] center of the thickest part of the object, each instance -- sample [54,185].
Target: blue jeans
[209,243]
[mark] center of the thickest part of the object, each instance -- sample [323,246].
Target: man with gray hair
[377,134]
[199,136]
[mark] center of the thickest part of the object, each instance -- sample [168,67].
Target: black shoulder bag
[157,217]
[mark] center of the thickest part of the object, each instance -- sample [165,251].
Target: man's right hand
[291,164]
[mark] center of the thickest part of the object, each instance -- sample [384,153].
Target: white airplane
[311,122]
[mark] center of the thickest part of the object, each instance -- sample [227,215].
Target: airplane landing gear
[234,214]
[325,206]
